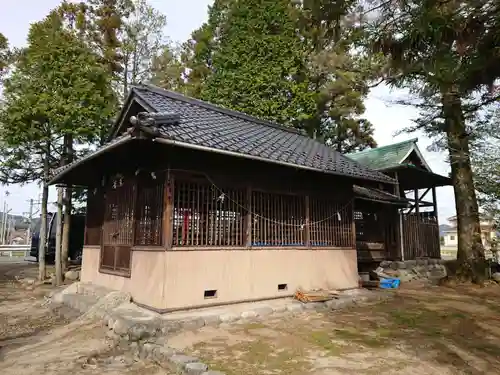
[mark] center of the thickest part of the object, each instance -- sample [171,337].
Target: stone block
[339,303]
[314,306]
[182,360]
[401,265]
[263,311]
[229,317]
[141,331]
[422,262]
[72,275]
[294,307]
[121,327]
[385,264]
[496,276]
[410,263]
[279,308]
[211,320]
[170,327]
[193,324]
[195,368]
[248,314]
[162,354]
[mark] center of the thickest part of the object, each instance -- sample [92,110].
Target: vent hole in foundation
[212,293]
[282,287]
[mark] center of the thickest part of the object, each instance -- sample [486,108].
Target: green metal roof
[389,156]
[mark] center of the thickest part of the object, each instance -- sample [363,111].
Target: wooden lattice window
[205,215]
[330,223]
[94,217]
[118,227]
[278,219]
[149,210]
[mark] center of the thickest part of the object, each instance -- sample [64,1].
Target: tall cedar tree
[338,73]
[258,65]
[58,86]
[446,53]
[281,62]
[101,25]
[4,54]
[141,42]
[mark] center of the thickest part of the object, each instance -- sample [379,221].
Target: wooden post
[434,202]
[417,211]
[399,224]
[353,227]
[307,232]
[248,218]
[168,210]
[396,187]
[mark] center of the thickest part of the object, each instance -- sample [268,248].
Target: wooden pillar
[353,225]
[417,211]
[434,203]
[248,217]
[168,211]
[307,229]
[399,223]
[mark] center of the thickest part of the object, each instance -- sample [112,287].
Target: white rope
[223,195]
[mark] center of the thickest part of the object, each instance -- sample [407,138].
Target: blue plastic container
[389,283]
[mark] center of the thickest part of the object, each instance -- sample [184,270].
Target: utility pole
[5,216]
[30,221]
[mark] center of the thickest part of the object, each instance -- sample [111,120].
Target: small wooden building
[192,205]
[409,228]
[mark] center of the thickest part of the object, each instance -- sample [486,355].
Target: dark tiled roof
[377,195]
[209,126]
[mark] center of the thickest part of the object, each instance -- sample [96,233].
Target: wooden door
[118,228]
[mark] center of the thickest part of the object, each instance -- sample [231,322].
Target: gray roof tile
[207,125]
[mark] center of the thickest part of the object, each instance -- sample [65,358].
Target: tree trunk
[59,224]
[472,265]
[43,225]
[68,150]
[66,228]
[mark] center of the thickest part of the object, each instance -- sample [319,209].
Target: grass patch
[323,340]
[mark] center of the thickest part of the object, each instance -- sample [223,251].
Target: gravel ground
[36,340]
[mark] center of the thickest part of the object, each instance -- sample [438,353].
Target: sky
[182,18]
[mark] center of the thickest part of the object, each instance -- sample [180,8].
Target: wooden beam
[248,217]
[168,210]
[434,201]
[397,191]
[425,193]
[307,229]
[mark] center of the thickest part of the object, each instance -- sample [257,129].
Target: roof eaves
[419,154]
[61,171]
[369,150]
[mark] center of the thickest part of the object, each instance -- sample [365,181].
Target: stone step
[79,302]
[88,289]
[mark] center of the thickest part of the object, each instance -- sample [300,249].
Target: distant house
[488,232]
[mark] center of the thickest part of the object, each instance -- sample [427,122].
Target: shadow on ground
[435,330]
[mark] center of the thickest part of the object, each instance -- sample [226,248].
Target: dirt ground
[36,340]
[421,331]
[436,330]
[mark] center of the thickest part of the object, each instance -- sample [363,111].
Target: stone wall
[409,270]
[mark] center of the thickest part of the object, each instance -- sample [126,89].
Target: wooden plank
[248,217]
[307,229]
[168,210]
